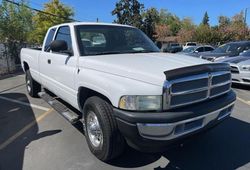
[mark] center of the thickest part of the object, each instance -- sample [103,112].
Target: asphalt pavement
[35,137]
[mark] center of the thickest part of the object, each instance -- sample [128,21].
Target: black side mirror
[61,47]
[58,46]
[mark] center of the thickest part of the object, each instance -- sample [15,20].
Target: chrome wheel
[94,130]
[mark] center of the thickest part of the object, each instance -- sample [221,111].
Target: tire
[112,143]
[32,86]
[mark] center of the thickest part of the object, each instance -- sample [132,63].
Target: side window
[63,33]
[247,47]
[200,49]
[208,48]
[49,39]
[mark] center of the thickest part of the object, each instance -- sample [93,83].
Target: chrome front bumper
[168,131]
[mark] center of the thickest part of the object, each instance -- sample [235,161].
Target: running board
[63,110]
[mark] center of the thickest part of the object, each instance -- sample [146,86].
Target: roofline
[93,23]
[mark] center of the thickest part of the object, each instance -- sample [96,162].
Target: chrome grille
[193,89]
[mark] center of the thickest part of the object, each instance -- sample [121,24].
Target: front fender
[114,86]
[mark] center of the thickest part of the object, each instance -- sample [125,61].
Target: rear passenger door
[62,68]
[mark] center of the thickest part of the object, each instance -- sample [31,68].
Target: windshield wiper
[144,51]
[107,52]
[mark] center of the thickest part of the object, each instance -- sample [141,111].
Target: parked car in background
[226,50]
[245,55]
[189,44]
[173,48]
[195,50]
[240,67]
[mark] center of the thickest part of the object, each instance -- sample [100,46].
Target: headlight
[245,67]
[141,103]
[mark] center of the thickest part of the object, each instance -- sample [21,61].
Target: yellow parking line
[244,101]
[23,130]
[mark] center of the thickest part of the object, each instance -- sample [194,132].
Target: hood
[235,60]
[145,67]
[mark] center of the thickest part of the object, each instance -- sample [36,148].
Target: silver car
[240,68]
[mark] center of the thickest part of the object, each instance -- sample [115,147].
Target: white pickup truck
[127,90]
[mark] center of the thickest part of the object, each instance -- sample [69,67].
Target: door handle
[49,61]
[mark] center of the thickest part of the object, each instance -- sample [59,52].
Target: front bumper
[241,78]
[154,131]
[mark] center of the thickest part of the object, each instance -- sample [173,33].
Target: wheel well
[84,93]
[25,66]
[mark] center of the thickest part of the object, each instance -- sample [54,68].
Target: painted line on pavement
[243,101]
[25,103]
[23,130]
[12,88]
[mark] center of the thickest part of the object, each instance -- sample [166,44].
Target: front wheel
[32,86]
[102,134]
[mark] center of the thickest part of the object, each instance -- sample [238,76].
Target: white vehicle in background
[189,44]
[241,72]
[126,90]
[240,67]
[196,50]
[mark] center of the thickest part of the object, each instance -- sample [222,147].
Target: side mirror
[196,51]
[58,46]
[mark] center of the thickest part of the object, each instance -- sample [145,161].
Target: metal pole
[245,19]
[245,23]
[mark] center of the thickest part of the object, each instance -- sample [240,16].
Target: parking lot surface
[34,136]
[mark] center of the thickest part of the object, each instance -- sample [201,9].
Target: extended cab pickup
[127,91]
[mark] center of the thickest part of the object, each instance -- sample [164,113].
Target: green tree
[224,21]
[60,13]
[151,18]
[205,20]
[203,34]
[172,21]
[15,26]
[129,12]
[187,31]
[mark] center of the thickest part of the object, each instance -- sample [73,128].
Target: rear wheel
[102,134]
[32,86]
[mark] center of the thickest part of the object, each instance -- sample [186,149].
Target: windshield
[191,44]
[227,48]
[246,53]
[189,50]
[102,39]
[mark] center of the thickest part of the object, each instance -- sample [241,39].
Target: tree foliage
[15,26]
[151,18]
[187,31]
[129,12]
[60,14]
[205,20]
[171,20]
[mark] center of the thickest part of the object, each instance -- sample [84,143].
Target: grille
[234,69]
[193,89]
